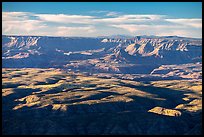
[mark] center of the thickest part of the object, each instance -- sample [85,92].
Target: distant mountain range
[114,54]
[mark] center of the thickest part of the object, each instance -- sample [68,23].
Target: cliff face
[62,52]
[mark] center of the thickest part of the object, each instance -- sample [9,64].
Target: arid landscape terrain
[140,85]
[102,68]
[52,101]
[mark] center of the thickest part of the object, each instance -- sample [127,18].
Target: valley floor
[53,101]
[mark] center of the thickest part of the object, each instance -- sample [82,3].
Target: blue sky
[102,18]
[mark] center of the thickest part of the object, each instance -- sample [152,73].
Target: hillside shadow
[104,118]
[8,102]
[172,97]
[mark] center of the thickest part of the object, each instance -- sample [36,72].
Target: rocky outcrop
[60,52]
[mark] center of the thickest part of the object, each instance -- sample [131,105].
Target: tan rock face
[165,111]
[193,106]
[6,92]
[32,98]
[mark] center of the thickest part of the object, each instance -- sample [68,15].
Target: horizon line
[102,36]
